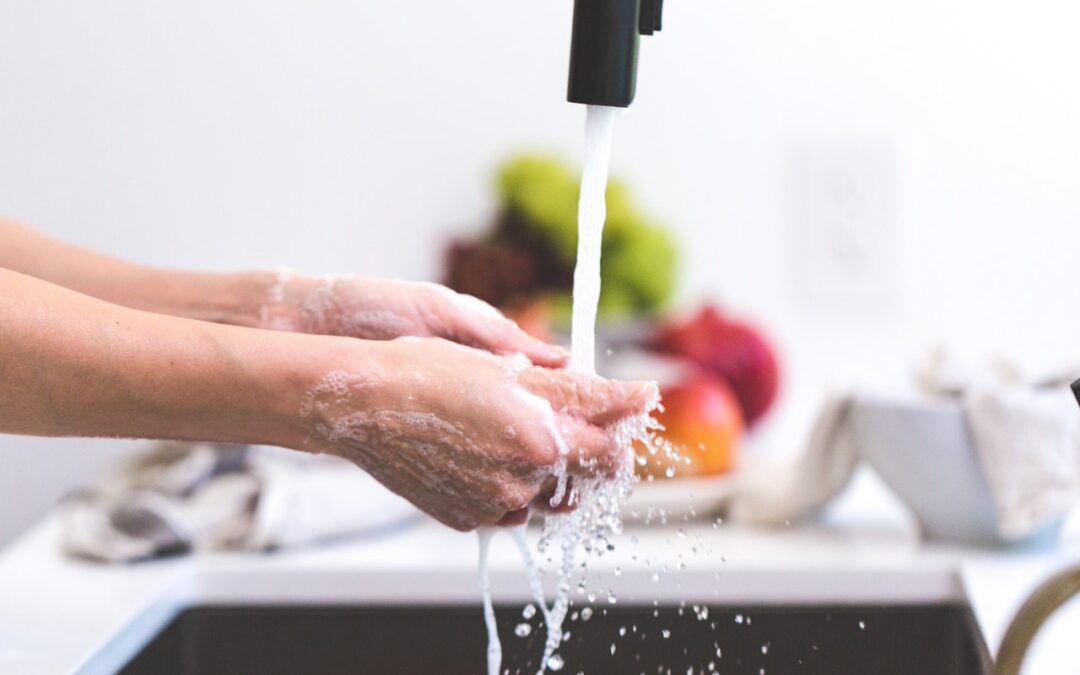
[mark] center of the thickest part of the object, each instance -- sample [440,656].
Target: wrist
[301,391]
[285,300]
[236,299]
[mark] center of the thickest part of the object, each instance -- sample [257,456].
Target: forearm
[72,365]
[235,298]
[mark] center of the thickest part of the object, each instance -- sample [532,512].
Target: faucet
[1033,614]
[604,49]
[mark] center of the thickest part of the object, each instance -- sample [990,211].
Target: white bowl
[924,451]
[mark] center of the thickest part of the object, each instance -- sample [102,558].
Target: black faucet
[604,49]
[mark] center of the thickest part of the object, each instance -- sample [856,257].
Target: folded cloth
[1029,450]
[774,496]
[181,497]
[1026,432]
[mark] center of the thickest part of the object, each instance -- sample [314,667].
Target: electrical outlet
[843,209]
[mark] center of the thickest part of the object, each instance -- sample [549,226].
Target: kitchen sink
[931,639]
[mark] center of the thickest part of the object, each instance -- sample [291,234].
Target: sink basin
[932,639]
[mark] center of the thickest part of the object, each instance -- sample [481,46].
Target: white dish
[680,499]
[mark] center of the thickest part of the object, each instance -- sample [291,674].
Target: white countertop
[64,616]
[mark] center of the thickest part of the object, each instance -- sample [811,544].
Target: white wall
[332,136]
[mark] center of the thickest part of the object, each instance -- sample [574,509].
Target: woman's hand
[384,309]
[468,437]
[359,307]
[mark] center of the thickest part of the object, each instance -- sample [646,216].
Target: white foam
[560,468]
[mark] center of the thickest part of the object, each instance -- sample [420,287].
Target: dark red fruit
[730,349]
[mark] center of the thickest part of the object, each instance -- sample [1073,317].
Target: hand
[384,309]
[468,437]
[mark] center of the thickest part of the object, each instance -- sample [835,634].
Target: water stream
[592,212]
[494,648]
[597,515]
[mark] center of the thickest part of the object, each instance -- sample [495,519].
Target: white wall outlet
[843,201]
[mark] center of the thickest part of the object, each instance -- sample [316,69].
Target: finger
[503,336]
[514,518]
[569,500]
[592,451]
[594,399]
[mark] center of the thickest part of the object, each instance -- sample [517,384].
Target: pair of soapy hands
[462,412]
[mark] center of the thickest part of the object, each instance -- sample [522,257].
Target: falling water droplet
[522,630]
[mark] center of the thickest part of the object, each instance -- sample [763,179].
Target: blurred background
[863,179]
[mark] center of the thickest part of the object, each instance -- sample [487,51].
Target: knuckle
[541,453]
[523,496]
[461,522]
[582,394]
[512,497]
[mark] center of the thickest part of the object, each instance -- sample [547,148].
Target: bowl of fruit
[719,374]
[719,377]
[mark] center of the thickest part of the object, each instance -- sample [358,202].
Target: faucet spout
[604,49]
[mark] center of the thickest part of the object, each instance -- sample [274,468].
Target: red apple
[703,421]
[730,349]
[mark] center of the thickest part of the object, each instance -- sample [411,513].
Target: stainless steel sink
[932,639]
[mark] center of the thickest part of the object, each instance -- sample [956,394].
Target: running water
[568,531]
[596,519]
[592,212]
[494,648]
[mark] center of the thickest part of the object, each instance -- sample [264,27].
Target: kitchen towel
[1026,433]
[182,497]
